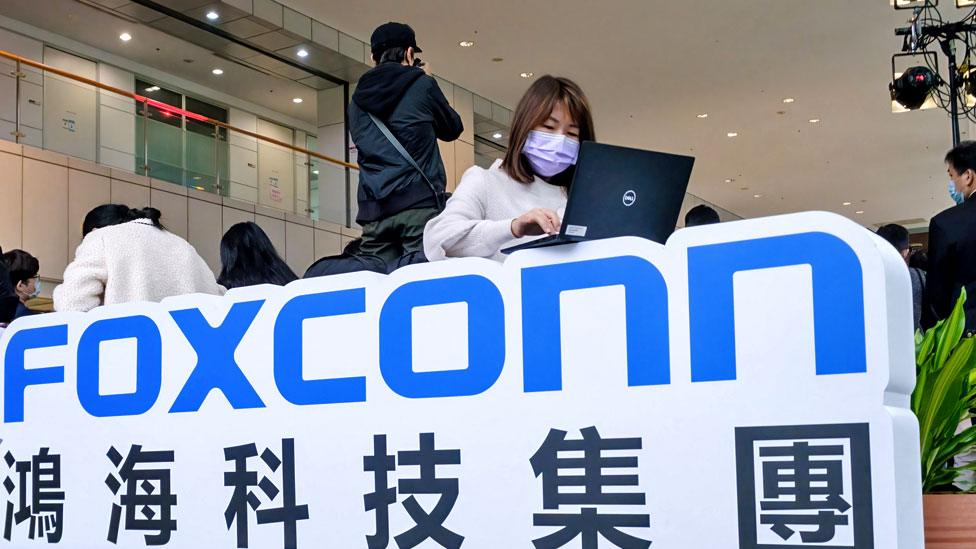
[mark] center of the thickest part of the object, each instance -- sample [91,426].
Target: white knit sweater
[133,261]
[477,221]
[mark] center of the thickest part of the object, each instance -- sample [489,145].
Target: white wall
[69,106]
[331,142]
[44,197]
[243,151]
[458,155]
[103,123]
[116,120]
[276,168]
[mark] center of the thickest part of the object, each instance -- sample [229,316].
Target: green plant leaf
[946,390]
[954,326]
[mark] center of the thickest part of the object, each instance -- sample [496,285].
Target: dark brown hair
[22,265]
[534,108]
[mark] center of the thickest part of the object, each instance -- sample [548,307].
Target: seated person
[24,278]
[127,255]
[701,215]
[247,258]
[522,195]
[8,299]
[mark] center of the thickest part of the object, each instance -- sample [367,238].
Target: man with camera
[396,116]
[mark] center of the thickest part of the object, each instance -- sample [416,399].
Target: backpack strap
[406,156]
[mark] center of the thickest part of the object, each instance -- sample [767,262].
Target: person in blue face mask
[952,242]
[24,278]
[524,194]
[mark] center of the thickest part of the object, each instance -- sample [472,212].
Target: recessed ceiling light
[212,15]
[217,72]
[125,37]
[151,89]
[703,115]
[315,172]
[733,134]
[788,100]
[302,53]
[757,196]
[847,203]
[859,212]
[527,74]
[465,43]
[814,120]
[730,180]
[297,100]
[496,135]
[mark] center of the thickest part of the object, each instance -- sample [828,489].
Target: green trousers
[396,236]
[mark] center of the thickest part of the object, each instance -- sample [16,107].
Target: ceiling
[650,66]
[248,75]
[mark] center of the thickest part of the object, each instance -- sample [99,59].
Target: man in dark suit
[952,242]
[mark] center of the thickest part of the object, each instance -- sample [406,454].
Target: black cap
[393,35]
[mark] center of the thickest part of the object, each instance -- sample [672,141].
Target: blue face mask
[956,196]
[37,288]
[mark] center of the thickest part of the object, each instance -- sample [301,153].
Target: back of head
[919,260]
[962,157]
[107,215]
[248,257]
[534,109]
[390,41]
[701,215]
[22,266]
[896,235]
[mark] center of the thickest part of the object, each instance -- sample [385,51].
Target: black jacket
[417,113]
[8,298]
[952,264]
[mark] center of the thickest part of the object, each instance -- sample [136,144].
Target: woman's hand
[536,222]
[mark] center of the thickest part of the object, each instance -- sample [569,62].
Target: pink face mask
[550,153]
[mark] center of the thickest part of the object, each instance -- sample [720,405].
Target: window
[181,149]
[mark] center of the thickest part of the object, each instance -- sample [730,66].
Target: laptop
[619,191]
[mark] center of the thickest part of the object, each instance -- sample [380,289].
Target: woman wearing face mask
[524,194]
[23,269]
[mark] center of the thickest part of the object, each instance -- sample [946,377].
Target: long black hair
[248,257]
[115,214]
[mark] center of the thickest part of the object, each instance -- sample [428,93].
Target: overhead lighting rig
[922,85]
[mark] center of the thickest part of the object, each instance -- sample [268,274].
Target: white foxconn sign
[745,386]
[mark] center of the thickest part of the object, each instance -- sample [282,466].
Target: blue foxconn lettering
[838,313]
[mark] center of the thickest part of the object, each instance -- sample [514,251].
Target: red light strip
[172,110]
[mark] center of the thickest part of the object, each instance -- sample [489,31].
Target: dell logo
[629,198]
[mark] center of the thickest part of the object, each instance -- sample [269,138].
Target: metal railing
[154,116]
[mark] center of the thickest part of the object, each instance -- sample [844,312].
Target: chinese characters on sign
[613,393]
[567,488]
[804,486]
[427,525]
[40,500]
[148,492]
[242,479]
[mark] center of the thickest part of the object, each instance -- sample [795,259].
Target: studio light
[913,87]
[912,4]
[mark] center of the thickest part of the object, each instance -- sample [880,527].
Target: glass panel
[201,166]
[314,170]
[165,151]
[206,158]
[163,140]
